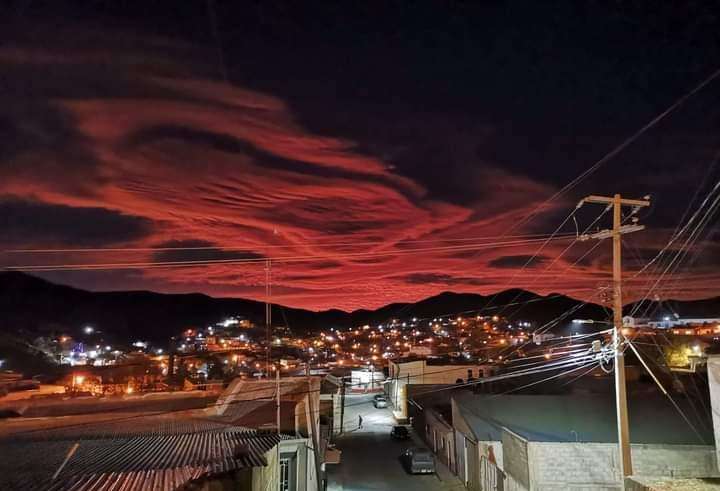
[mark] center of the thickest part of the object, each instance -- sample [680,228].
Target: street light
[88,330]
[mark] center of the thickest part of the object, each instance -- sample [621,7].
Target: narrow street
[370,458]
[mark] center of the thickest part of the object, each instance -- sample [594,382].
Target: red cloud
[231,167]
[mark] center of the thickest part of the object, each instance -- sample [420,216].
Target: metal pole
[620,389]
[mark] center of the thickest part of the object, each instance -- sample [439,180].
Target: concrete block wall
[674,460]
[579,465]
[595,465]
[515,458]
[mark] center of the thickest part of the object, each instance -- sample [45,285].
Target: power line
[244,247]
[535,254]
[665,392]
[618,149]
[577,237]
[301,258]
[554,363]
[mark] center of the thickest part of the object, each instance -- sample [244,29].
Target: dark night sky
[371,124]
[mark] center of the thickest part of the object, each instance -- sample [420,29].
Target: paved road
[370,458]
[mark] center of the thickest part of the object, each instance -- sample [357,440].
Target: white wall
[713,368]
[306,474]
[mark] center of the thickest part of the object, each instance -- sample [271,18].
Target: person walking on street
[359,421]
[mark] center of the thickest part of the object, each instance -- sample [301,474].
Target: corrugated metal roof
[151,461]
[161,480]
[134,426]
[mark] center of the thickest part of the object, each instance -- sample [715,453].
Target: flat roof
[583,418]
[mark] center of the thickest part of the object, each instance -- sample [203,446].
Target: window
[288,472]
[284,474]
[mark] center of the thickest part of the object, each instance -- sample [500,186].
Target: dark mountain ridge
[33,305]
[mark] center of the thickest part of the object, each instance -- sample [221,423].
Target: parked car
[399,433]
[378,396]
[419,461]
[380,402]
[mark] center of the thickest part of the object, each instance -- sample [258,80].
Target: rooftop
[583,418]
[164,461]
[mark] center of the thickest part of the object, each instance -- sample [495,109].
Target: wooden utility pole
[617,202]
[277,400]
[268,314]
[342,404]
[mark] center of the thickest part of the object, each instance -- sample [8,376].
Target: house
[234,443]
[300,395]
[254,404]
[161,459]
[528,442]
[426,371]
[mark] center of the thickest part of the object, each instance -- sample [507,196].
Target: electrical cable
[152,264]
[244,247]
[665,392]
[269,387]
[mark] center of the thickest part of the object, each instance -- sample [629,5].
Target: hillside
[36,306]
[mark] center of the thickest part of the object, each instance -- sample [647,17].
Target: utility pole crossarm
[606,234]
[611,200]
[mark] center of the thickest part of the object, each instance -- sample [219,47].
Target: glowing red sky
[146,150]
